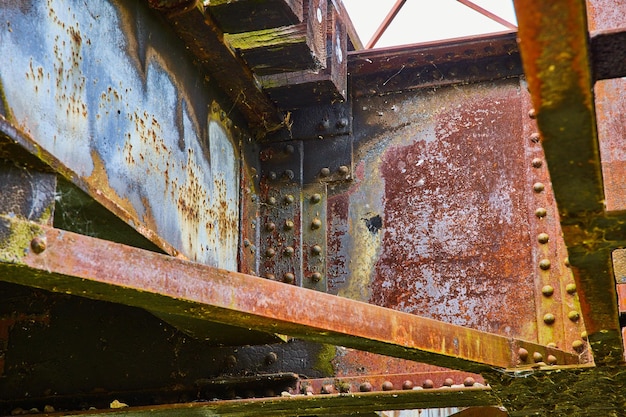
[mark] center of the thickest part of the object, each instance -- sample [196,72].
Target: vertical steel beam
[554,46]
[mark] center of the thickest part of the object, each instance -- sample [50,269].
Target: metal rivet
[566,262]
[324,172]
[323,125]
[537,163]
[532,114]
[289,149]
[365,387]
[288,174]
[271,201]
[270,276]
[387,386]
[271,358]
[222,115]
[341,123]
[544,264]
[448,382]
[408,384]
[523,354]
[549,318]
[551,344]
[551,360]
[327,389]
[316,224]
[230,361]
[543,238]
[428,383]
[270,252]
[343,387]
[38,244]
[289,278]
[316,198]
[538,187]
[271,175]
[289,225]
[246,243]
[215,107]
[573,315]
[289,199]
[537,357]
[316,249]
[578,345]
[316,276]
[570,288]
[547,290]
[541,212]
[270,226]
[288,251]
[469,381]
[584,335]
[535,138]
[343,170]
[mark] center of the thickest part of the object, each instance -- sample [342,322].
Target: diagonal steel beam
[65,262]
[554,46]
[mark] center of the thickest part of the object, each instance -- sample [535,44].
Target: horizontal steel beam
[556,58]
[65,262]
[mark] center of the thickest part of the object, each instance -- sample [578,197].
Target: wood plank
[236,16]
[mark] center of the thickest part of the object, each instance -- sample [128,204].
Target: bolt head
[543,238]
[537,163]
[327,388]
[289,199]
[566,262]
[270,276]
[539,187]
[551,360]
[270,226]
[343,170]
[573,315]
[324,172]
[469,381]
[270,252]
[288,251]
[541,212]
[316,198]
[289,149]
[428,383]
[246,242]
[578,345]
[523,354]
[549,318]
[448,382]
[316,224]
[341,123]
[571,288]
[289,278]
[38,244]
[408,384]
[316,276]
[271,201]
[535,138]
[547,290]
[584,335]
[316,250]
[323,125]
[271,175]
[289,225]
[271,358]
[537,357]
[365,387]
[387,386]
[532,114]
[545,264]
[288,174]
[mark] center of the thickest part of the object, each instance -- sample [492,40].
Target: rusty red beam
[61,261]
[488,14]
[553,40]
[385,24]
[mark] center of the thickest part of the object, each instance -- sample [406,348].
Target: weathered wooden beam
[305,88]
[65,262]
[286,48]
[555,53]
[236,16]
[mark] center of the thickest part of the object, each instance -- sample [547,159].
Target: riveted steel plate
[110,99]
[314,237]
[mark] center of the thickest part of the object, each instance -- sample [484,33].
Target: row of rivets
[342,170]
[345,387]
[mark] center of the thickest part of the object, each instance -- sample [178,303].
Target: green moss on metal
[15,238]
[325,358]
[5,110]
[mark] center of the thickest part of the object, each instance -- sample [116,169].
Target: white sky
[426,20]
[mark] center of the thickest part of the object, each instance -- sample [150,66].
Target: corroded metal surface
[554,48]
[95,89]
[89,267]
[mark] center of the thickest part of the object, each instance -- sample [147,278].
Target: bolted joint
[38,244]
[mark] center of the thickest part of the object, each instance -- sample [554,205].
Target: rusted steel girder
[64,262]
[555,53]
